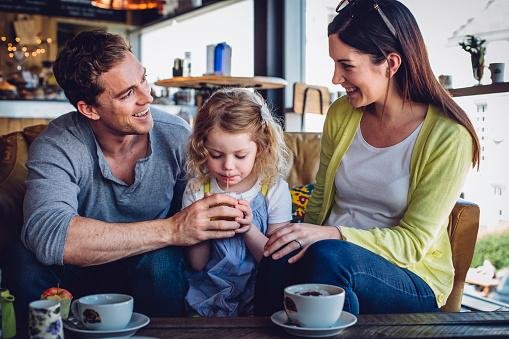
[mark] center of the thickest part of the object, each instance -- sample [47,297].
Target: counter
[35,109]
[50,109]
[17,114]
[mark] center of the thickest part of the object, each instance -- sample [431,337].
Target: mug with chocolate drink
[314,305]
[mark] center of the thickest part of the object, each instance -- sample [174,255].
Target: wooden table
[218,81]
[418,325]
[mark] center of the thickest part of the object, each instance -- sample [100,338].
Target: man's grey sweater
[68,176]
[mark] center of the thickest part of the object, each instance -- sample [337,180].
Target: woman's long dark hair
[362,27]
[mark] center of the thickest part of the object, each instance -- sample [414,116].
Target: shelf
[480,89]
[217,81]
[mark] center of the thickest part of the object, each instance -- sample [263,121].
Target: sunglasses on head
[354,8]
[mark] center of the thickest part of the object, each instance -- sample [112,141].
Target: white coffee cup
[314,305]
[104,312]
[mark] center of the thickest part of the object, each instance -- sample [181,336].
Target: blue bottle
[218,58]
[222,59]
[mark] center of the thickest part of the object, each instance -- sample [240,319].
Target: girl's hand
[293,237]
[246,221]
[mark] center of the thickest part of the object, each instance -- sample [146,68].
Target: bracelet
[340,233]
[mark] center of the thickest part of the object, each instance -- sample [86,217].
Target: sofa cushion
[31,132]
[300,199]
[13,152]
[305,157]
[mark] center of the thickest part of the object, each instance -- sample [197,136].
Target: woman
[395,152]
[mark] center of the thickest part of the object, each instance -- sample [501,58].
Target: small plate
[137,321]
[345,320]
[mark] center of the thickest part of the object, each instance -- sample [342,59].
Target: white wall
[233,24]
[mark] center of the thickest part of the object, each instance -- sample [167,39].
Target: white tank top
[372,184]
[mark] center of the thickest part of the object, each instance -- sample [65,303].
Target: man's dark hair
[83,59]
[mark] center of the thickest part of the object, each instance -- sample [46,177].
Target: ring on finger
[298,242]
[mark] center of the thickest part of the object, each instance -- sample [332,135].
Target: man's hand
[204,220]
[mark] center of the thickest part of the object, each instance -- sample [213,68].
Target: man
[104,189]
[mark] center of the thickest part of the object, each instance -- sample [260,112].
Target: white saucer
[137,321]
[345,320]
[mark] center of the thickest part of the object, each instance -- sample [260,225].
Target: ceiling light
[127,4]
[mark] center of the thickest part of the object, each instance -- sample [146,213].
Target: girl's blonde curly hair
[238,110]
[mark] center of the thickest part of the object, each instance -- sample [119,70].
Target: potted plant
[475,46]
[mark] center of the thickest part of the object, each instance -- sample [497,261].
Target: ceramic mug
[445,81]
[44,320]
[103,312]
[314,305]
[497,72]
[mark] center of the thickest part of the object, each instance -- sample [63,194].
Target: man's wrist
[168,232]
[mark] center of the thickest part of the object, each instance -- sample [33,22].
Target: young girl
[237,149]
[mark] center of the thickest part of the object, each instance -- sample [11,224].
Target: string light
[21,52]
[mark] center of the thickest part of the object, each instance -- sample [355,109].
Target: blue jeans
[372,284]
[155,279]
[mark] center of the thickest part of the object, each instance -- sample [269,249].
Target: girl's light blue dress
[225,287]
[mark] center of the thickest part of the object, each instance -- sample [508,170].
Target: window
[319,66]
[437,27]
[440,21]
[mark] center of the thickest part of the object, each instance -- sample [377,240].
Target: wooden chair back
[463,227]
[310,99]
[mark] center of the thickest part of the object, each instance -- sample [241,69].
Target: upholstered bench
[305,148]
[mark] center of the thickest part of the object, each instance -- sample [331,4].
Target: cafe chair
[462,229]
[310,105]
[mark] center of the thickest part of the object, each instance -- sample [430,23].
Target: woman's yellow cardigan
[441,158]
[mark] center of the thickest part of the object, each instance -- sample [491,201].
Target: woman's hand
[293,237]
[247,220]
